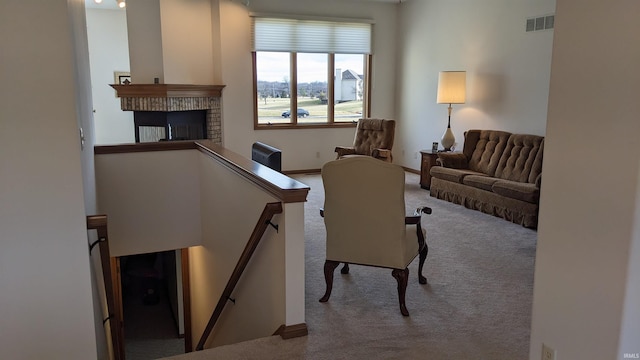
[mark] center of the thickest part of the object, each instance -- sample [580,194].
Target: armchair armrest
[453,160]
[382,154]
[344,150]
[415,218]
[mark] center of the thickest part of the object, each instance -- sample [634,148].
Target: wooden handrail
[99,223]
[269,211]
[279,185]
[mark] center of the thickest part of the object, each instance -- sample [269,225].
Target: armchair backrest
[364,212]
[373,134]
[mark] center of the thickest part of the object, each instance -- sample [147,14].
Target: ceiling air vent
[539,23]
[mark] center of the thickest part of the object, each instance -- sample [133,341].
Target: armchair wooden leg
[402,276]
[329,267]
[423,256]
[345,269]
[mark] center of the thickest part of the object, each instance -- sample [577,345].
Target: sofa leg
[329,267]
[402,276]
[423,256]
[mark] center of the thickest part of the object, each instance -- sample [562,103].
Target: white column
[294,263]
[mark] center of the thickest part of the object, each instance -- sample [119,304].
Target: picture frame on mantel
[121,78]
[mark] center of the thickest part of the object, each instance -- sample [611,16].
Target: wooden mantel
[167,90]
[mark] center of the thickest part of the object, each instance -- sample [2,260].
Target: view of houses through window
[315,74]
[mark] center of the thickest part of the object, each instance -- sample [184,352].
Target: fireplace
[152,126]
[173,112]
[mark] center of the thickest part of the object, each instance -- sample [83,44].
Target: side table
[428,161]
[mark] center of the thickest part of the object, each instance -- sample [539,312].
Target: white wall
[108,52]
[46,303]
[187,42]
[172,41]
[145,41]
[86,123]
[151,199]
[587,235]
[232,207]
[299,147]
[507,68]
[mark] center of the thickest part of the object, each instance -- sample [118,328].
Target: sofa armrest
[453,160]
[344,150]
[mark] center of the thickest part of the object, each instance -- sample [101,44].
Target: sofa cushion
[522,159]
[454,175]
[480,181]
[483,148]
[517,190]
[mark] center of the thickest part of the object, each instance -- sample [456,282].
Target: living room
[508,74]
[508,69]
[575,217]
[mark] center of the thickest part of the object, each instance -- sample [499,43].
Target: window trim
[330,123]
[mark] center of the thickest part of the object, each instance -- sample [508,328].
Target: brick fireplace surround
[173,97]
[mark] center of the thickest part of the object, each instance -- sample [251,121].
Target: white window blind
[310,36]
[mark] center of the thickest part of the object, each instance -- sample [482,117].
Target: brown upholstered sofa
[498,173]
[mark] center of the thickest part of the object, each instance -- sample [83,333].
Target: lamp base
[448,139]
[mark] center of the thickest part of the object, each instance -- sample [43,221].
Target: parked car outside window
[301,113]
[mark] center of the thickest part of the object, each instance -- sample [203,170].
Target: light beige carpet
[477,304]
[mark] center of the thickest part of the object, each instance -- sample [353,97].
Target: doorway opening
[153,296]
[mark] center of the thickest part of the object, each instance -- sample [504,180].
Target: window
[310,73]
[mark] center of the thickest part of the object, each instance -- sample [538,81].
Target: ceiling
[106,4]
[112,4]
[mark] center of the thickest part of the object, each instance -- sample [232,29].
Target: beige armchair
[374,137]
[364,216]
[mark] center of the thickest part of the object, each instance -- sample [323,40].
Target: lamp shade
[452,87]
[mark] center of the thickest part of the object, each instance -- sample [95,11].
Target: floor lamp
[451,90]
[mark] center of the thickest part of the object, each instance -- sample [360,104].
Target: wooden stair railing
[99,223]
[269,211]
